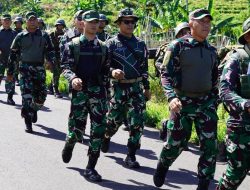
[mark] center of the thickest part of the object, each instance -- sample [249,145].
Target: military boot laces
[160,174]
[67,151]
[203,184]
[105,145]
[131,162]
[28,124]
[92,175]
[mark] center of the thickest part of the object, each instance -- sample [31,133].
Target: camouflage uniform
[6,38]
[199,108]
[234,76]
[32,71]
[55,38]
[92,98]
[128,93]
[103,36]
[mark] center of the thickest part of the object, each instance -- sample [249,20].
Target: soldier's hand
[118,74]
[9,78]
[175,105]
[147,94]
[77,84]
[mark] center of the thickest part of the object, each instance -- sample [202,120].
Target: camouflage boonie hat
[199,14]
[103,17]
[179,27]
[90,15]
[30,14]
[18,19]
[6,16]
[245,29]
[127,12]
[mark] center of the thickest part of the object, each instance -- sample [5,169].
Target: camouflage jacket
[103,36]
[123,59]
[230,93]
[69,64]
[17,48]
[170,65]
[56,38]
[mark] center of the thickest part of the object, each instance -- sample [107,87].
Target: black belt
[127,81]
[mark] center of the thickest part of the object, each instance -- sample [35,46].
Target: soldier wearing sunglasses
[129,84]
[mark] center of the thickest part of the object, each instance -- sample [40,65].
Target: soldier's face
[91,27]
[60,27]
[32,23]
[200,28]
[247,37]
[102,24]
[18,24]
[78,23]
[127,25]
[6,23]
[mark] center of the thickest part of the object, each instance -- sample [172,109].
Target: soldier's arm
[167,70]
[50,52]
[145,80]
[228,88]
[67,63]
[14,55]
[215,76]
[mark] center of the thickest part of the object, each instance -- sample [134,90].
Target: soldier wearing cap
[56,36]
[129,84]
[235,94]
[41,24]
[7,35]
[102,34]
[189,74]
[31,46]
[18,22]
[85,64]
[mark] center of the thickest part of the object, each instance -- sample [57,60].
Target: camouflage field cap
[245,29]
[60,22]
[127,12]
[18,19]
[30,14]
[199,14]
[6,16]
[78,14]
[103,17]
[90,15]
[179,27]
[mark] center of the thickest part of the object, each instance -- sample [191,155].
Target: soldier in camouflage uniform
[129,84]
[85,64]
[102,34]
[18,22]
[7,35]
[235,94]
[189,74]
[55,38]
[30,46]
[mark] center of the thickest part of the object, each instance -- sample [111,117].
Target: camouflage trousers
[238,158]
[33,88]
[127,100]
[201,112]
[9,85]
[56,74]
[91,100]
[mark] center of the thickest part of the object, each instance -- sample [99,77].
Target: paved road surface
[33,161]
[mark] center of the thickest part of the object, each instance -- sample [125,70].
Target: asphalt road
[33,161]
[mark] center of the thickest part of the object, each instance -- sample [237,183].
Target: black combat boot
[160,174]
[50,90]
[57,93]
[10,100]
[130,160]
[67,151]
[28,124]
[203,184]
[90,173]
[105,144]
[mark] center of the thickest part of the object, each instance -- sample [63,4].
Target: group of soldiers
[108,79]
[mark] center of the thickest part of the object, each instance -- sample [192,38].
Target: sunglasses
[79,18]
[127,22]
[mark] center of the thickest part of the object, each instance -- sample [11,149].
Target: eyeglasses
[127,22]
